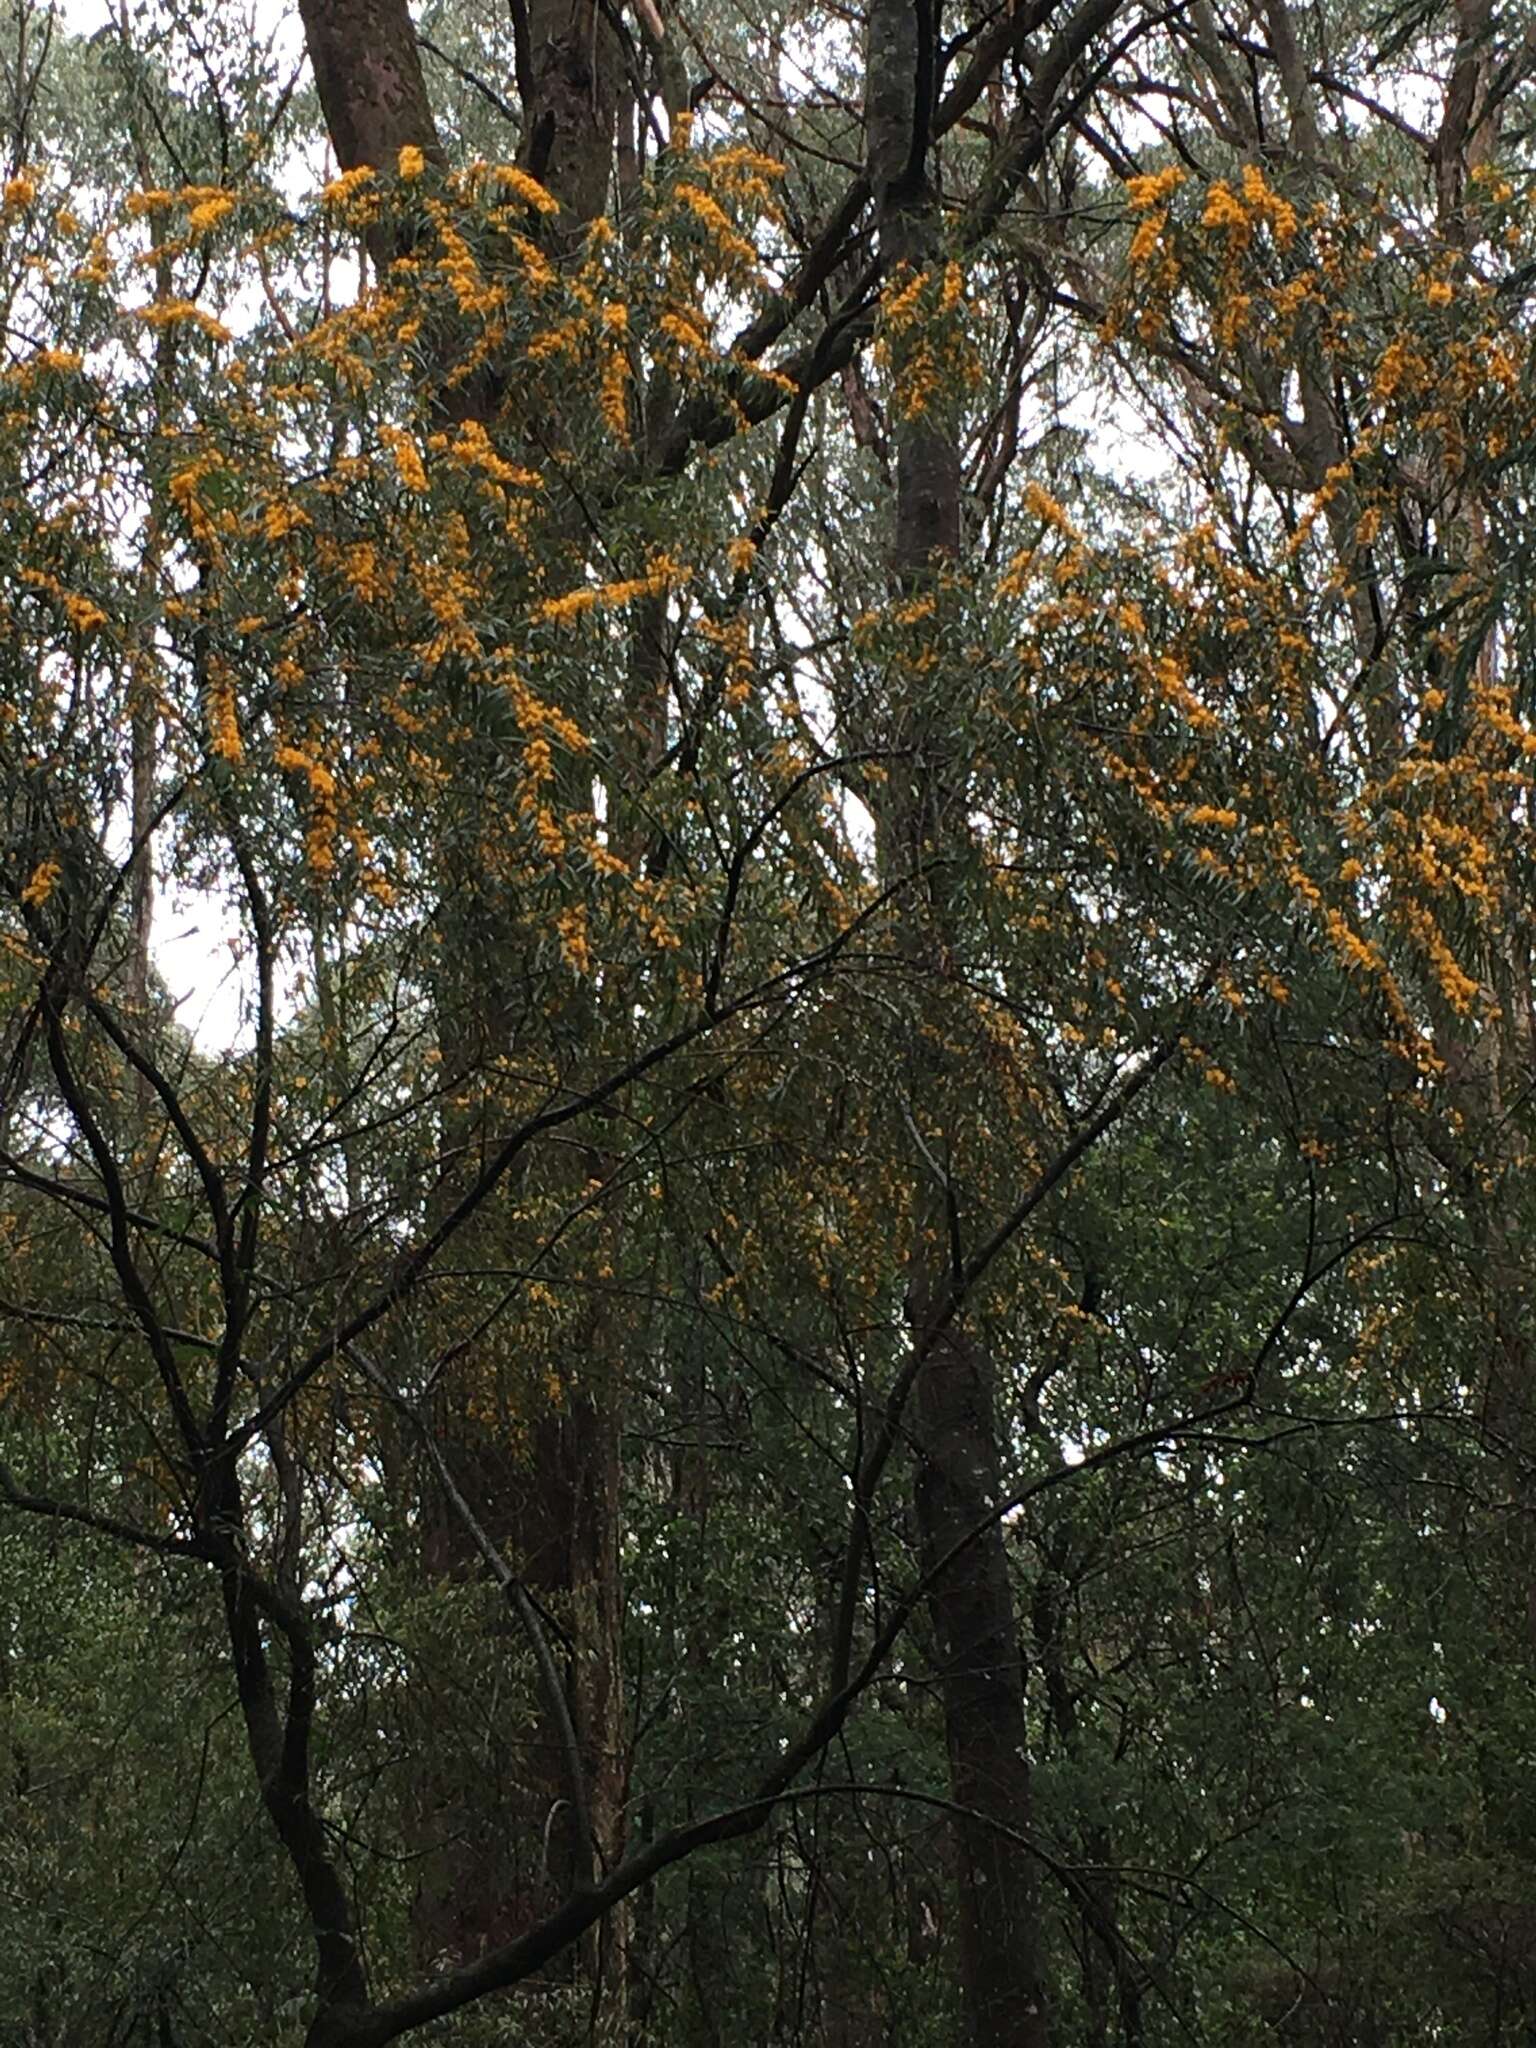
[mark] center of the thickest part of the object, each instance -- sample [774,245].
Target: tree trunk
[959,1477]
[553,1507]
[367,67]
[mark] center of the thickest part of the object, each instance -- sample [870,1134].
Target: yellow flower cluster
[367,580]
[280,517]
[574,943]
[734,247]
[409,466]
[1154,188]
[456,264]
[1223,209]
[1455,984]
[1174,686]
[179,312]
[348,186]
[533,715]
[41,886]
[648,898]
[1148,195]
[525,187]
[613,394]
[207,205]
[1039,502]
[82,612]
[223,722]
[319,842]
[687,330]
[663,575]
[53,361]
[473,448]
[537,268]
[923,342]
[1351,948]
[733,638]
[185,488]
[1147,238]
[553,341]
[748,176]
[1237,214]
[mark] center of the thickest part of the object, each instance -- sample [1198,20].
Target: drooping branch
[52,1509]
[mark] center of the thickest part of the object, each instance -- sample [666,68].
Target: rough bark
[981,1676]
[959,1481]
[367,67]
[554,1508]
[570,121]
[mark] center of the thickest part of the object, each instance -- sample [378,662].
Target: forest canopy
[810,1321]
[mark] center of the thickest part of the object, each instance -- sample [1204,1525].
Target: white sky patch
[198,953]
